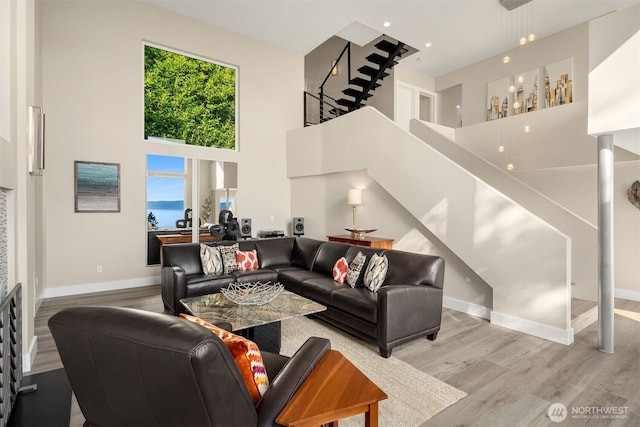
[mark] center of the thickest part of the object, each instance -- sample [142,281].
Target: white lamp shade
[354,196]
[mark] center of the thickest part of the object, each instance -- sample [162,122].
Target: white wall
[552,157]
[583,234]
[524,260]
[19,90]
[614,73]
[626,216]
[92,82]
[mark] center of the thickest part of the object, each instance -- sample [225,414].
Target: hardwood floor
[511,378]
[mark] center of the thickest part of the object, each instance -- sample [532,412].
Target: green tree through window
[189,99]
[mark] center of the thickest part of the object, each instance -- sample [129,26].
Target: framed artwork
[525,92]
[558,83]
[97,187]
[498,99]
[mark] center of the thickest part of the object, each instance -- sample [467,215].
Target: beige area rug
[414,396]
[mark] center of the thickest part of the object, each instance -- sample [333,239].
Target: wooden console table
[184,238]
[166,239]
[335,389]
[373,242]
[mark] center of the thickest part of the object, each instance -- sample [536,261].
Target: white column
[605,243]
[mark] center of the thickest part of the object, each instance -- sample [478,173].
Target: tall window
[166,190]
[189,100]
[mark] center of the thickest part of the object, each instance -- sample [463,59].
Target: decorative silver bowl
[359,233]
[256,293]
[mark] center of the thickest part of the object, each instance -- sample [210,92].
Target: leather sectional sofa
[407,306]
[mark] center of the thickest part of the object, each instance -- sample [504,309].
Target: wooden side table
[373,242]
[335,389]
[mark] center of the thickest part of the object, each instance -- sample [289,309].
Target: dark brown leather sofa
[407,306]
[138,368]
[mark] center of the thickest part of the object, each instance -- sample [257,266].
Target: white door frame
[417,92]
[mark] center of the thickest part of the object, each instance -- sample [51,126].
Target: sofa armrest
[174,288]
[289,379]
[405,310]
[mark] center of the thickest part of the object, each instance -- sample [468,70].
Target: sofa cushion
[228,253]
[211,260]
[247,357]
[340,269]
[260,275]
[356,270]
[359,302]
[275,252]
[293,279]
[304,252]
[376,272]
[247,260]
[320,288]
[327,255]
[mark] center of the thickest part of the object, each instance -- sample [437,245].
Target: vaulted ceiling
[461,32]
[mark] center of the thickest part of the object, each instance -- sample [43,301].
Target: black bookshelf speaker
[245,227]
[298,226]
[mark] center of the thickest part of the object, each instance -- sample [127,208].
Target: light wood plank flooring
[511,378]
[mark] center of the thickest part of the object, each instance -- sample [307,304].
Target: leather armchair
[133,367]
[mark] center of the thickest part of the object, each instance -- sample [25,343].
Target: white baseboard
[100,287]
[562,336]
[627,294]
[466,307]
[30,356]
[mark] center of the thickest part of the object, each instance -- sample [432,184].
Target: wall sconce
[35,121]
[334,67]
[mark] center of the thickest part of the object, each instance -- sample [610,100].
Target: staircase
[360,88]
[523,258]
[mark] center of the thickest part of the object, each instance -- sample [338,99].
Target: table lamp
[354,198]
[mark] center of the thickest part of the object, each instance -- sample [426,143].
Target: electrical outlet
[99,268]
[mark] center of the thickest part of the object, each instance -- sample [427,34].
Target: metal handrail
[333,109]
[347,48]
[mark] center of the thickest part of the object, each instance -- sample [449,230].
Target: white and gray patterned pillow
[376,272]
[211,260]
[355,267]
[229,259]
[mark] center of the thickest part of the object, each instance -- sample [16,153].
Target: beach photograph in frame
[97,187]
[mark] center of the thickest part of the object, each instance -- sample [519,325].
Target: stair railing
[313,107]
[331,86]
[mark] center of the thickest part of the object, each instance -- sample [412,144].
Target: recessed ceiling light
[427,44]
[386,24]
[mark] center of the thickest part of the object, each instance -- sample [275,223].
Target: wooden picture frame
[97,187]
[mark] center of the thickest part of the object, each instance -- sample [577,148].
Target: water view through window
[166,178]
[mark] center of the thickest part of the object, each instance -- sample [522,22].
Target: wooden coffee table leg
[371,416]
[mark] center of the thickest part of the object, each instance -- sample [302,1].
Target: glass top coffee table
[259,323]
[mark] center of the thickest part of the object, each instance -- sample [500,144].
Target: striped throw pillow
[247,357]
